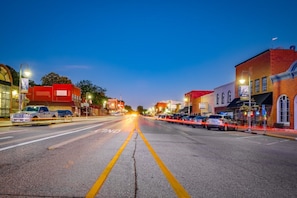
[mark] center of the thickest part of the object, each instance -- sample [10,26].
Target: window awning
[236,102]
[265,98]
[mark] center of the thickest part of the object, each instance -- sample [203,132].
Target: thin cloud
[78,67]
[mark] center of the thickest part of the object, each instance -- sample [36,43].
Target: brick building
[262,70]
[285,96]
[57,96]
[193,100]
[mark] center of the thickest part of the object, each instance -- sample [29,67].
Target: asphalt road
[126,156]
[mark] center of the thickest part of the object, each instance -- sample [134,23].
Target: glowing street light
[187,100]
[242,81]
[88,98]
[23,84]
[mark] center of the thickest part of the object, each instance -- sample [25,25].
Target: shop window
[229,97]
[223,98]
[218,98]
[283,108]
[264,84]
[257,85]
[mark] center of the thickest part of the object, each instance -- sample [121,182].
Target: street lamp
[242,81]
[187,100]
[88,98]
[23,84]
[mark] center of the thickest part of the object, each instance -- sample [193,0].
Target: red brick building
[192,101]
[57,96]
[272,84]
[160,107]
[284,84]
[115,105]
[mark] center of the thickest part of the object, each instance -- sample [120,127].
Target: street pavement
[273,132]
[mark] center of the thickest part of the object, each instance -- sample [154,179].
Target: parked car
[199,121]
[33,113]
[65,113]
[221,122]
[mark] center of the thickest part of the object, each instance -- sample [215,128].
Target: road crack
[134,164]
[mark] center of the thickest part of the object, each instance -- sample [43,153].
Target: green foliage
[53,78]
[97,93]
[129,109]
[140,109]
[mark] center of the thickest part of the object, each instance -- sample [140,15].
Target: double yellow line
[177,187]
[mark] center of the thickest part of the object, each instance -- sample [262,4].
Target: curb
[280,136]
[271,135]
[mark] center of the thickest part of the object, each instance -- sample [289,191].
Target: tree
[140,109]
[53,78]
[129,108]
[97,93]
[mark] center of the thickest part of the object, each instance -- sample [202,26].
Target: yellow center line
[177,187]
[99,182]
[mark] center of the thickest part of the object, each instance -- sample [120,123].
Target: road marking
[7,137]
[46,138]
[277,142]
[99,182]
[177,187]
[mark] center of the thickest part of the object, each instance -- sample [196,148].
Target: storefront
[5,91]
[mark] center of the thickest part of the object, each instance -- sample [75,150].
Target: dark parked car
[65,113]
[199,121]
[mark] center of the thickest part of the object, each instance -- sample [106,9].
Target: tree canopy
[53,78]
[96,92]
[140,109]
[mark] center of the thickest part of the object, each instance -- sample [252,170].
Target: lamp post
[88,97]
[23,84]
[187,100]
[242,81]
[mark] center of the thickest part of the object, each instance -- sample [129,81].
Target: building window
[218,98]
[229,96]
[223,98]
[257,85]
[264,83]
[4,100]
[251,87]
[283,109]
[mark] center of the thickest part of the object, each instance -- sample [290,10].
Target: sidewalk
[273,132]
[5,122]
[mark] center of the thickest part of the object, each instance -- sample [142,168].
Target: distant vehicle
[116,114]
[199,121]
[221,122]
[65,113]
[33,113]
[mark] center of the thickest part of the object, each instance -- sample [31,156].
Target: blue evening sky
[143,51]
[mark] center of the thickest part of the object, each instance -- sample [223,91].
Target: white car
[221,122]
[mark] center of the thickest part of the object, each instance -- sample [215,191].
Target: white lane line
[277,142]
[72,140]
[16,131]
[7,137]
[46,138]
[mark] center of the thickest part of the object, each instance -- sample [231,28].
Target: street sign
[85,104]
[263,110]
